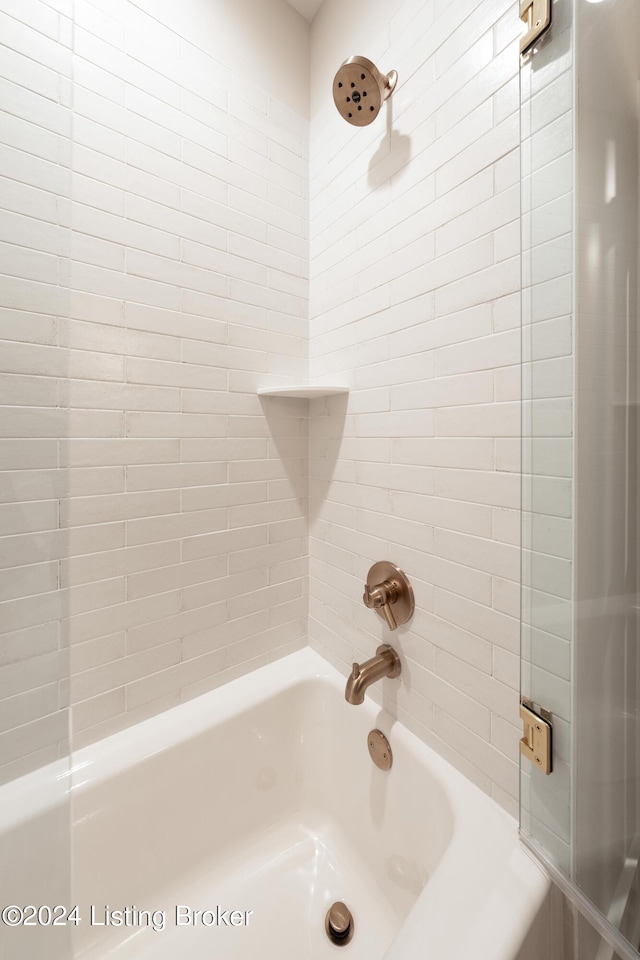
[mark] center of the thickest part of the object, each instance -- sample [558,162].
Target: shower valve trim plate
[389,592]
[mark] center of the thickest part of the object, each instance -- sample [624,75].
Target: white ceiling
[308,8]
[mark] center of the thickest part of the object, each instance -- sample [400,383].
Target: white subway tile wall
[415,278]
[184,540]
[189,290]
[35,188]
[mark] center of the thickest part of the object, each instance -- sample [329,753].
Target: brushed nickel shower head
[359,90]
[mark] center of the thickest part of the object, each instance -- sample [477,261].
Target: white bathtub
[259,803]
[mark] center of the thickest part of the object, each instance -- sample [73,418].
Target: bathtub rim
[513,895]
[517,894]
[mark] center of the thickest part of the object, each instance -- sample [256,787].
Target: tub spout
[386,663]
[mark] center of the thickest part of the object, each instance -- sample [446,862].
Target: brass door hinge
[536,742]
[537,16]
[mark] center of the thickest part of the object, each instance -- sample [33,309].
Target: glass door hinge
[536,742]
[537,16]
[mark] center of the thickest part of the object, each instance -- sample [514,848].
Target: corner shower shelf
[304,391]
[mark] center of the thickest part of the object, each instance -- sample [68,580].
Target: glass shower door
[580,170]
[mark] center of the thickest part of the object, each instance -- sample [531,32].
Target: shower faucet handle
[380,598]
[389,592]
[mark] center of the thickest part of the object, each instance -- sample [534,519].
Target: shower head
[359,90]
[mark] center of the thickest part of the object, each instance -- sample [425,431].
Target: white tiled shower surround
[35,185]
[188,275]
[415,277]
[186,528]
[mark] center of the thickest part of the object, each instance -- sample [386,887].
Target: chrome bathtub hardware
[386,663]
[379,749]
[536,742]
[339,924]
[537,16]
[388,587]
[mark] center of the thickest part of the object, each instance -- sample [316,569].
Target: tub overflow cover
[380,749]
